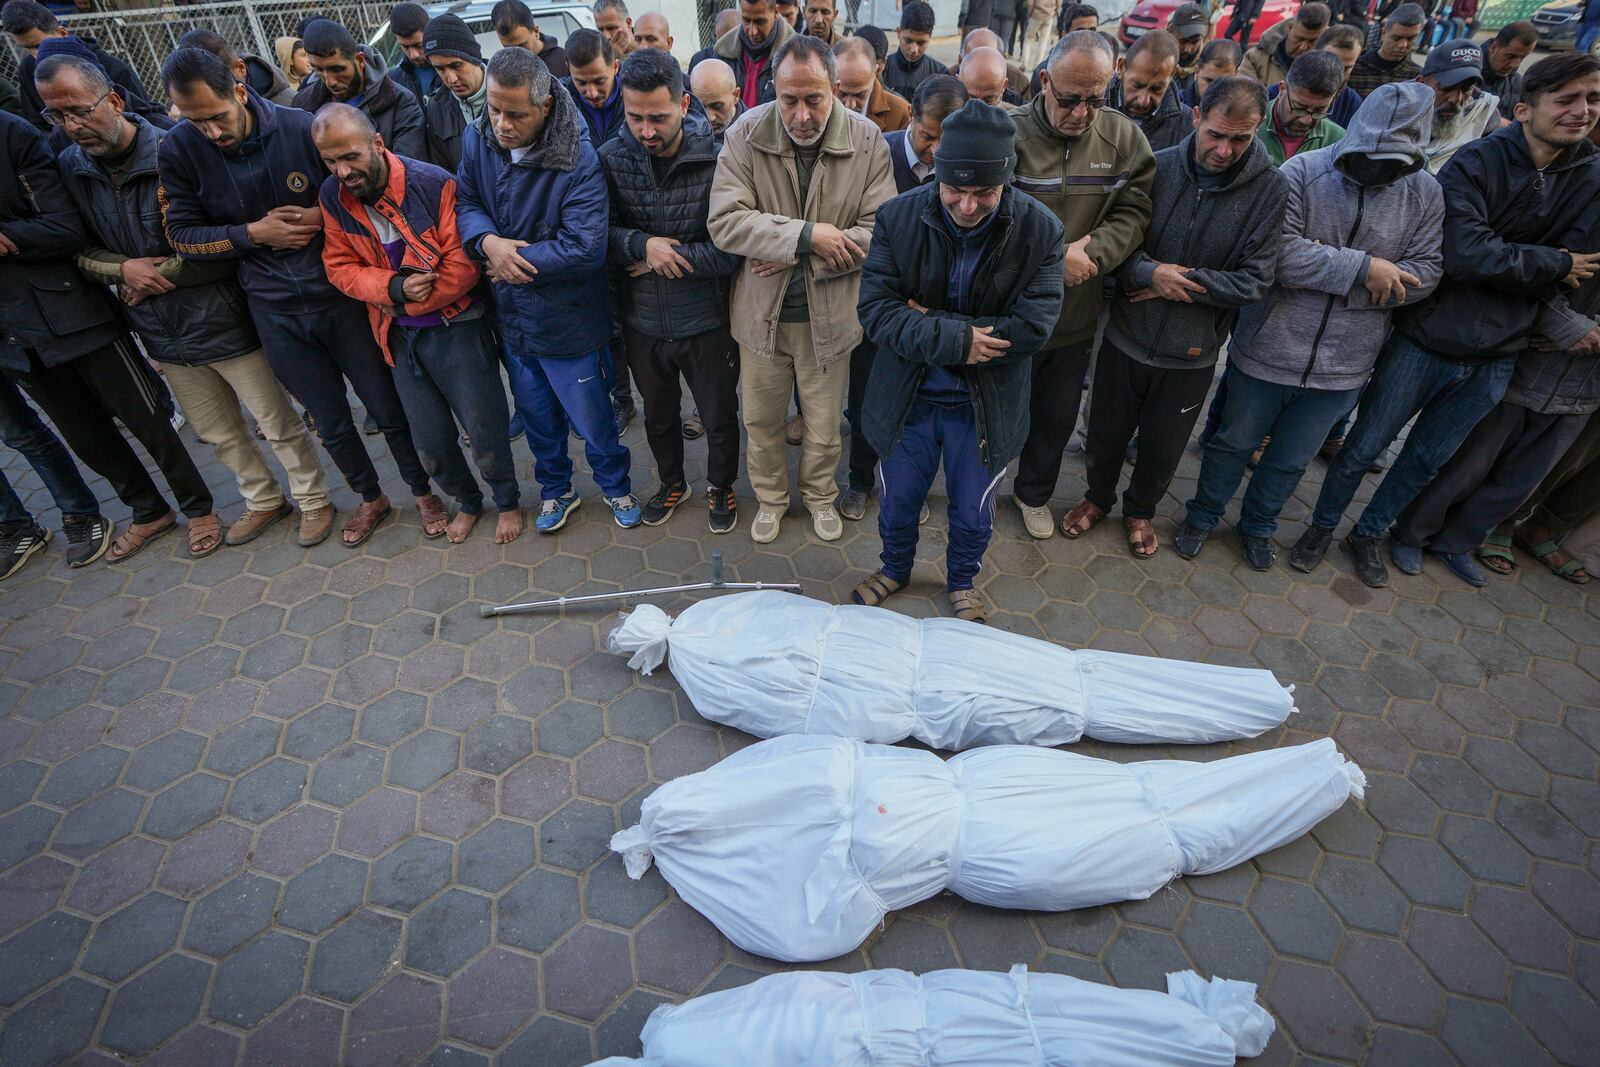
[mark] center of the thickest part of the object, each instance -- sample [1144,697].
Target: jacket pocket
[67,305]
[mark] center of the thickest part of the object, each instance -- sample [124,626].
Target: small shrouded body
[773,663]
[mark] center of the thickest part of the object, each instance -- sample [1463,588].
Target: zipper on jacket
[1188,246]
[1327,311]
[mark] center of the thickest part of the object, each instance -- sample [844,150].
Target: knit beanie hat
[447,35]
[67,46]
[978,147]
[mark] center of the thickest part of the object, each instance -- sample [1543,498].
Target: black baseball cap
[1190,20]
[1452,64]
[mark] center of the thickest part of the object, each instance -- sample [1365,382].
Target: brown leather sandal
[434,515]
[875,589]
[131,542]
[1080,520]
[1141,538]
[365,520]
[968,606]
[205,536]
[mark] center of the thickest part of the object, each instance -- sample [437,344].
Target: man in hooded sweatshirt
[354,74]
[30,23]
[267,80]
[1361,236]
[1518,205]
[1211,249]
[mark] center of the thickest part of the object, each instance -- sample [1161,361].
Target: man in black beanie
[453,52]
[961,287]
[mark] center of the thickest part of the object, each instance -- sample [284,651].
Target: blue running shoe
[517,429]
[553,513]
[626,510]
[1407,557]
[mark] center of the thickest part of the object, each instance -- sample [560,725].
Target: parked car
[1558,25]
[1150,15]
[556,20]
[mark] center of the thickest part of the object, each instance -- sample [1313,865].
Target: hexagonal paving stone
[568,728]
[491,999]
[352,772]
[24,833]
[134,936]
[53,1026]
[1390,982]
[323,893]
[410,874]
[496,855]
[306,1032]
[1141,958]
[230,915]
[1460,957]
[987,939]
[447,933]
[116,876]
[184,807]
[1362,896]
[1525,932]
[535,788]
[39,955]
[498,745]
[319,731]
[424,759]
[640,714]
[376,821]
[164,760]
[1538,828]
[97,823]
[677,949]
[913,946]
[611,771]
[1222,940]
[1486,1035]
[1311,1004]
[244,746]
[19,780]
[262,977]
[395,1024]
[268,790]
[82,776]
[205,858]
[1424,872]
[1295,919]
[587,973]
[355,956]
[576,836]
[457,805]
[682,750]
[155,1005]
[1558,1014]
[393,717]
[292,840]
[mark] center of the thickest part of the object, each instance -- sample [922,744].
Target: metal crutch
[716,582]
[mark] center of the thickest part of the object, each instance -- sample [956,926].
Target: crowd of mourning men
[808,228]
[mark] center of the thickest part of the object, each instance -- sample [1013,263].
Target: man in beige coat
[796,190]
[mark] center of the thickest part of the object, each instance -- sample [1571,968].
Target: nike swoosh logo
[1186,411]
[590,378]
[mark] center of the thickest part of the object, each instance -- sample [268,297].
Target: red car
[1150,15]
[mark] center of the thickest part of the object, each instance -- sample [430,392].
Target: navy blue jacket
[905,179]
[1018,292]
[554,198]
[209,197]
[603,123]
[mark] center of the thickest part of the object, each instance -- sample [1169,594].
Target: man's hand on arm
[1078,267]
[1169,282]
[141,279]
[985,345]
[837,250]
[8,247]
[418,287]
[1584,265]
[285,228]
[765,268]
[1386,282]
[661,255]
[505,265]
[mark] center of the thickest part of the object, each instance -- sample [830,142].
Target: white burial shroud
[956,1019]
[796,848]
[773,663]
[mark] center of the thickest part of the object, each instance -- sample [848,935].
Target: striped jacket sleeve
[189,231]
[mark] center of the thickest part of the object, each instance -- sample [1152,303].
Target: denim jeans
[1297,420]
[548,393]
[1447,399]
[22,429]
[449,374]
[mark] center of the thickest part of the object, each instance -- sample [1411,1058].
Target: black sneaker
[19,544]
[724,509]
[853,503]
[1189,540]
[659,508]
[88,537]
[1363,552]
[369,426]
[1308,551]
[622,411]
[1259,552]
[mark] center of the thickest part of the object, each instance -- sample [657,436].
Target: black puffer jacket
[204,319]
[1505,225]
[1017,290]
[45,304]
[657,306]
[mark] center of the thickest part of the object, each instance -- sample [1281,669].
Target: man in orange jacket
[392,243]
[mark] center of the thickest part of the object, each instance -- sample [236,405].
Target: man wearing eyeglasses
[1094,170]
[1298,121]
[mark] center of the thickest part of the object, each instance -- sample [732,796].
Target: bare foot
[460,526]
[508,527]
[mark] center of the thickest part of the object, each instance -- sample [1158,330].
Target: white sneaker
[764,527]
[922,516]
[1039,522]
[178,420]
[826,522]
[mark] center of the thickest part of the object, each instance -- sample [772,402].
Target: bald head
[858,73]
[979,39]
[727,19]
[713,85]
[983,72]
[650,30]
[351,150]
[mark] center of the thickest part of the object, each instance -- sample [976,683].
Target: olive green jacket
[1098,184]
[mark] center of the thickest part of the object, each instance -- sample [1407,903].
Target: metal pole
[716,582]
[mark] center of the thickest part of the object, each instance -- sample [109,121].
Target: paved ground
[305,807]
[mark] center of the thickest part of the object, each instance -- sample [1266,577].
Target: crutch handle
[716,566]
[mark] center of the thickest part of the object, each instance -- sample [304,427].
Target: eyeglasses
[1301,111]
[78,115]
[1070,104]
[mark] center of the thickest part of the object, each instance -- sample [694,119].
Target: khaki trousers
[210,396]
[765,384]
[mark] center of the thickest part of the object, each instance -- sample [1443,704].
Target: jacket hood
[1272,41]
[558,144]
[1397,117]
[1255,163]
[729,45]
[698,142]
[283,48]
[263,77]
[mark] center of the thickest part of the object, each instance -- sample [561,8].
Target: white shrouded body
[955,1018]
[772,663]
[796,848]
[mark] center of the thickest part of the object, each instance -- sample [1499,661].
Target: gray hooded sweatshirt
[1318,327]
